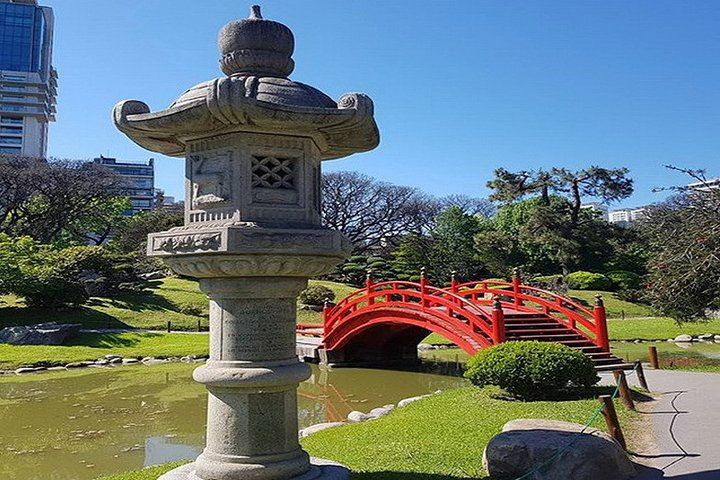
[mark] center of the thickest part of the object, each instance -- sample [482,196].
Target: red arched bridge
[385,321]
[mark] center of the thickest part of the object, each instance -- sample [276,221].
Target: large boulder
[40,334]
[526,444]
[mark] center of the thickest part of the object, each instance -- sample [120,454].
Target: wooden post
[198,325]
[169,326]
[625,393]
[368,287]
[641,375]
[652,352]
[611,420]
[498,318]
[516,286]
[601,324]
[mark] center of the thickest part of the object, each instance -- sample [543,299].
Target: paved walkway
[686,421]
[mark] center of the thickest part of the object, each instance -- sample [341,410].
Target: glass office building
[139,181]
[28,82]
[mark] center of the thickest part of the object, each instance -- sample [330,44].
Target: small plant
[316,295]
[532,370]
[588,281]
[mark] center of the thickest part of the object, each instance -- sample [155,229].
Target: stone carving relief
[252,265]
[188,243]
[210,177]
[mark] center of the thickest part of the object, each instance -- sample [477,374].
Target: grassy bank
[441,437]
[173,300]
[94,346]
[658,328]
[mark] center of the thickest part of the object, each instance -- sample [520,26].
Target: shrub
[554,283]
[316,295]
[588,281]
[532,370]
[623,280]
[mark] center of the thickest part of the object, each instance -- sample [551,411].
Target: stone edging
[357,416]
[108,361]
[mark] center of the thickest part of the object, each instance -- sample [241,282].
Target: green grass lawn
[430,439]
[700,357]
[614,307]
[658,328]
[94,346]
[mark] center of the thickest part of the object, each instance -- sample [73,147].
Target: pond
[83,424]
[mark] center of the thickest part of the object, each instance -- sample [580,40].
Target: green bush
[532,370]
[316,295]
[623,280]
[588,281]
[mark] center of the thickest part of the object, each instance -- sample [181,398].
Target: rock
[152,275]
[116,360]
[684,344]
[355,417]
[407,401]
[638,341]
[707,336]
[112,356]
[186,359]
[683,338]
[424,346]
[527,443]
[21,370]
[154,361]
[56,369]
[40,334]
[318,427]
[378,412]
[130,361]
[717,338]
[79,364]
[102,362]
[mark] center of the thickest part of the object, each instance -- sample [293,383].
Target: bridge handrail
[426,293]
[577,313]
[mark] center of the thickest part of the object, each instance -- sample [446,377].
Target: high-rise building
[28,81]
[139,180]
[626,216]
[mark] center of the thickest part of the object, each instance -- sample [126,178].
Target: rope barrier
[556,455]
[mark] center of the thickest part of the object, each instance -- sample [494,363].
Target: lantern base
[319,470]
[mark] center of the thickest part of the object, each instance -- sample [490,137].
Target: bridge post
[601,329]
[516,280]
[368,287]
[325,314]
[423,289]
[498,318]
[453,282]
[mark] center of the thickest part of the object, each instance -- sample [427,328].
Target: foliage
[588,281]
[541,225]
[357,267]
[616,305]
[623,280]
[316,295]
[684,236]
[532,370]
[58,201]
[131,235]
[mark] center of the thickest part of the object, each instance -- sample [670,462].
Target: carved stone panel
[211,179]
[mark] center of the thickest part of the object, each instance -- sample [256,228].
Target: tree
[51,201]
[131,235]
[479,207]
[373,214]
[684,238]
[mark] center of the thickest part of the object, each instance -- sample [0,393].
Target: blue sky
[460,87]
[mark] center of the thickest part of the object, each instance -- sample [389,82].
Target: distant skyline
[460,88]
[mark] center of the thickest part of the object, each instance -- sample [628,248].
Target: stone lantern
[253,142]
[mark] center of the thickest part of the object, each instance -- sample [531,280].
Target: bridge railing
[524,298]
[420,297]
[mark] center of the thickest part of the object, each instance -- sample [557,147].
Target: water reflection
[83,424]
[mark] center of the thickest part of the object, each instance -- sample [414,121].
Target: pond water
[83,424]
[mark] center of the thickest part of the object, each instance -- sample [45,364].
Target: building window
[11,140]
[137,203]
[10,150]
[11,120]
[13,97]
[13,88]
[11,130]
